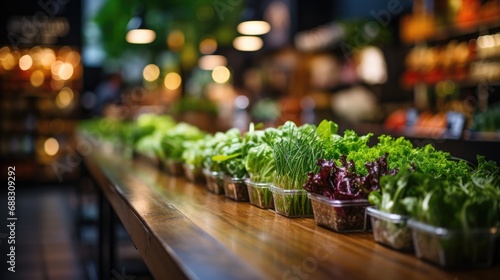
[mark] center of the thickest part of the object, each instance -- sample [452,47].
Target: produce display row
[445,209]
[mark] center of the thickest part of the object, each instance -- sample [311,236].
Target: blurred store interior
[424,69]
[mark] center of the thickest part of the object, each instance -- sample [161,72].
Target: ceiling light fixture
[248,43]
[253,27]
[137,31]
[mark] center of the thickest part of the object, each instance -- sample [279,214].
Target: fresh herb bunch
[295,154]
[293,205]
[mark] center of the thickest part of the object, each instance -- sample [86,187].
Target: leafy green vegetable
[194,151]
[227,154]
[399,193]
[295,154]
[403,155]
[260,163]
[172,141]
[232,153]
[149,123]
[342,182]
[343,145]
[326,129]
[465,202]
[259,158]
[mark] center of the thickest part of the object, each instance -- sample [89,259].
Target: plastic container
[214,181]
[340,215]
[172,167]
[192,173]
[260,194]
[390,229]
[291,203]
[235,188]
[454,248]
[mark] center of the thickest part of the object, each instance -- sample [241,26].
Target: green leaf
[224,157]
[375,198]
[326,128]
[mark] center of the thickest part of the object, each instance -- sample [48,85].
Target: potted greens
[223,158]
[192,158]
[295,154]
[230,158]
[173,143]
[145,133]
[212,169]
[260,166]
[340,195]
[456,224]
[390,213]
[389,217]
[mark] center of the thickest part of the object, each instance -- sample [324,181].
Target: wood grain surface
[183,231]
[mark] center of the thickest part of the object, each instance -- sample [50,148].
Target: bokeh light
[54,69]
[253,27]
[37,78]
[241,102]
[221,74]
[64,98]
[248,43]
[172,81]
[51,146]
[151,72]
[25,62]
[65,72]
[175,40]
[48,57]
[8,61]
[208,46]
[73,58]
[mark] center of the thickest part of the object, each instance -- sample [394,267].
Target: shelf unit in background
[451,67]
[39,110]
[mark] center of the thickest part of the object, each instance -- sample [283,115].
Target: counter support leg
[107,224]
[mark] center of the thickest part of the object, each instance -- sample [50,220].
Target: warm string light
[42,63]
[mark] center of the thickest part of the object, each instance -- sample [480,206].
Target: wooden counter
[182,231]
